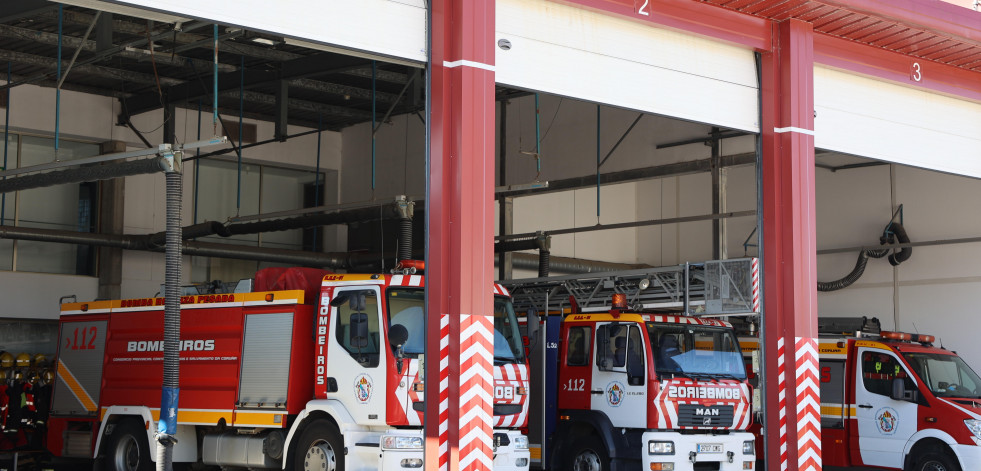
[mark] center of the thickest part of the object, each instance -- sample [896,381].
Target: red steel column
[793,421]
[460,254]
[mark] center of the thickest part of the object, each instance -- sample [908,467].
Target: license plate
[708,448]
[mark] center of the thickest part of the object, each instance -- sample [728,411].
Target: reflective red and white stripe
[782,398]
[476,392]
[407,280]
[755,274]
[808,405]
[444,391]
[510,377]
[667,407]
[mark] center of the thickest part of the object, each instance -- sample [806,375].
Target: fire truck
[893,400]
[629,371]
[309,371]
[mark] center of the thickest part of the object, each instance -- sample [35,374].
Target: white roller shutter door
[593,56]
[870,118]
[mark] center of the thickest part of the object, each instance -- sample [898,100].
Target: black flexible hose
[904,253]
[856,273]
[405,239]
[543,263]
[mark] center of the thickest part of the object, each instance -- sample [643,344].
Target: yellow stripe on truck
[80,393]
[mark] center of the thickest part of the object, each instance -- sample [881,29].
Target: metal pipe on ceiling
[336,260]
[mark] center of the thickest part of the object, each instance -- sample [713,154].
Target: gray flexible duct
[172,323]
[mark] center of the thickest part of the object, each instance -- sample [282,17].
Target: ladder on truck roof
[712,288]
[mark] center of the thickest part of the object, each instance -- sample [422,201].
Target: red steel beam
[460,254]
[793,419]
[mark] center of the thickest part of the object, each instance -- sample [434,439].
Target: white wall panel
[393,28]
[884,121]
[35,295]
[596,57]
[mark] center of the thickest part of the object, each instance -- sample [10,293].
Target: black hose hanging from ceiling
[405,239]
[543,262]
[904,254]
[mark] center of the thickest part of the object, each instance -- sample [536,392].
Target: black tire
[935,460]
[587,454]
[319,448]
[127,448]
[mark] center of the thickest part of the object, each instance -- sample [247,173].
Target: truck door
[356,353]
[884,424]
[618,382]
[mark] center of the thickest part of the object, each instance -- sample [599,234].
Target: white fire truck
[617,385]
[893,400]
[321,373]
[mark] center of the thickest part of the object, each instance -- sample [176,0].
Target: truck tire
[320,448]
[588,454]
[935,460]
[127,448]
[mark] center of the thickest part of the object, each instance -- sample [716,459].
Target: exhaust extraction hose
[167,425]
[895,259]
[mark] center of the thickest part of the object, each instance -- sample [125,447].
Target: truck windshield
[406,306]
[695,350]
[946,375]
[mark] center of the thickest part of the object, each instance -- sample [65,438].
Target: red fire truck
[314,375]
[617,385]
[893,400]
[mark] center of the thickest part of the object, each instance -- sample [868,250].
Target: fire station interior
[314,132]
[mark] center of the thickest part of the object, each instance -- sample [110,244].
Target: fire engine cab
[618,386]
[894,400]
[310,372]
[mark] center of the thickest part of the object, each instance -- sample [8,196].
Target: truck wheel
[589,454]
[935,461]
[320,448]
[127,449]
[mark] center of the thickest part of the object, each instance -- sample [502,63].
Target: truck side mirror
[397,335]
[359,330]
[533,323]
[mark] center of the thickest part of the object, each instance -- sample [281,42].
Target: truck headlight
[748,447]
[400,442]
[660,448]
[520,442]
[974,425]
